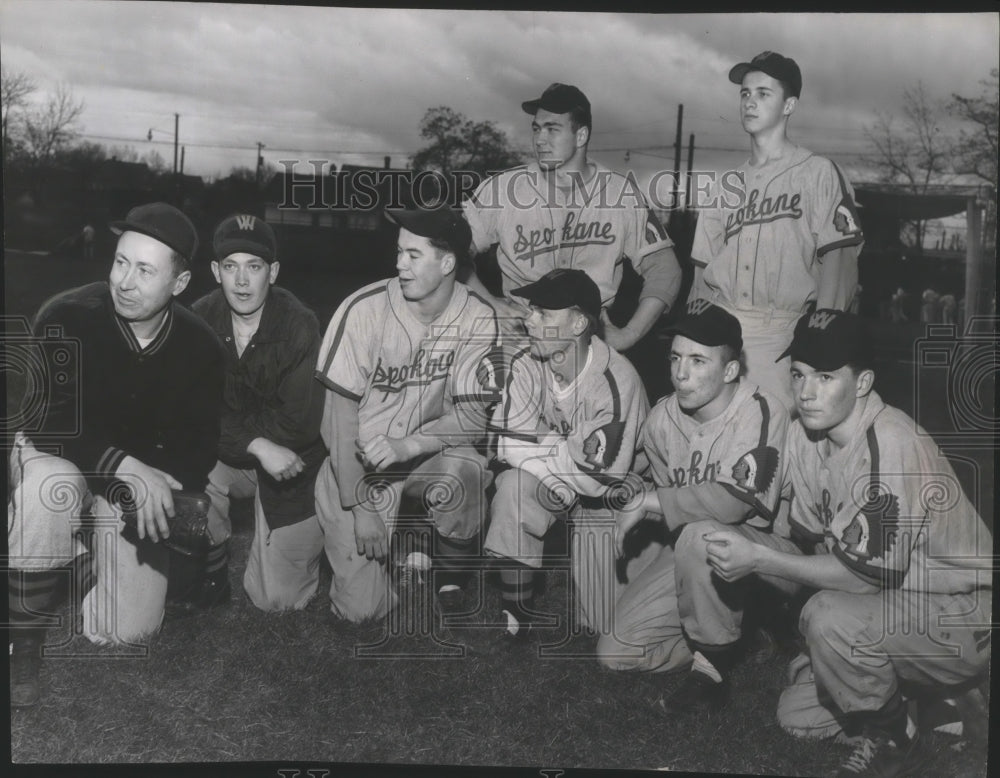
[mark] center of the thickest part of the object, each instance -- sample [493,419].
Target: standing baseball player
[901,560]
[567,426]
[566,211]
[270,448]
[714,448]
[403,362]
[135,418]
[782,236]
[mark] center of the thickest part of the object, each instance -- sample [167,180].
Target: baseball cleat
[412,572]
[516,632]
[698,692]
[209,594]
[876,756]
[25,667]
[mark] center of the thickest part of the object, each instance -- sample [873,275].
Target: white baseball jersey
[589,427]
[402,372]
[762,244]
[888,505]
[593,227]
[740,451]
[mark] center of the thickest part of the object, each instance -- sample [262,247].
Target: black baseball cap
[441,223]
[164,223]
[563,288]
[774,65]
[708,324]
[243,232]
[560,98]
[827,340]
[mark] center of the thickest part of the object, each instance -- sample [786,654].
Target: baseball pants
[282,570]
[711,610]
[647,632]
[862,646]
[450,485]
[766,334]
[48,496]
[522,512]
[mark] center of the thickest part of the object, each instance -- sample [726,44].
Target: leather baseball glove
[188,526]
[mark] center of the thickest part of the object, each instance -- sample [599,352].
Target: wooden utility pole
[177,121]
[687,185]
[677,156]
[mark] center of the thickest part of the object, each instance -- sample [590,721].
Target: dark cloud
[341,79]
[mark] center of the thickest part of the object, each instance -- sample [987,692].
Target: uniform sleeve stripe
[750,500]
[522,354]
[873,453]
[883,577]
[383,289]
[765,419]
[522,436]
[335,387]
[851,241]
[803,532]
[844,191]
[470,398]
[616,398]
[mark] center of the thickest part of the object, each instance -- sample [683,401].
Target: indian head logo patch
[871,534]
[845,221]
[601,447]
[756,469]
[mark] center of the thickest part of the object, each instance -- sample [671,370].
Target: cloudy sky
[351,85]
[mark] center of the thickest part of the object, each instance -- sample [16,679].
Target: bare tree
[914,153]
[976,150]
[15,89]
[51,127]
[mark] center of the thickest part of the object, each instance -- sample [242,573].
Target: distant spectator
[897,306]
[87,235]
[949,309]
[930,310]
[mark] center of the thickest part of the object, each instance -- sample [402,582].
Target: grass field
[299,690]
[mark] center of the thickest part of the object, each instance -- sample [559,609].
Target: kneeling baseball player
[134,420]
[900,561]
[270,448]
[404,362]
[714,448]
[567,426]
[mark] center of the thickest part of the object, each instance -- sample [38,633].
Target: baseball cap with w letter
[827,340]
[245,233]
[709,325]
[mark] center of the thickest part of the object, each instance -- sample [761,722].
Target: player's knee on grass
[455,497]
[50,494]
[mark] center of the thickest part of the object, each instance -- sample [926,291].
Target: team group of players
[484,419]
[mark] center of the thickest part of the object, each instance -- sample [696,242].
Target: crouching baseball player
[403,362]
[714,448]
[567,426]
[901,559]
[270,448]
[132,406]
